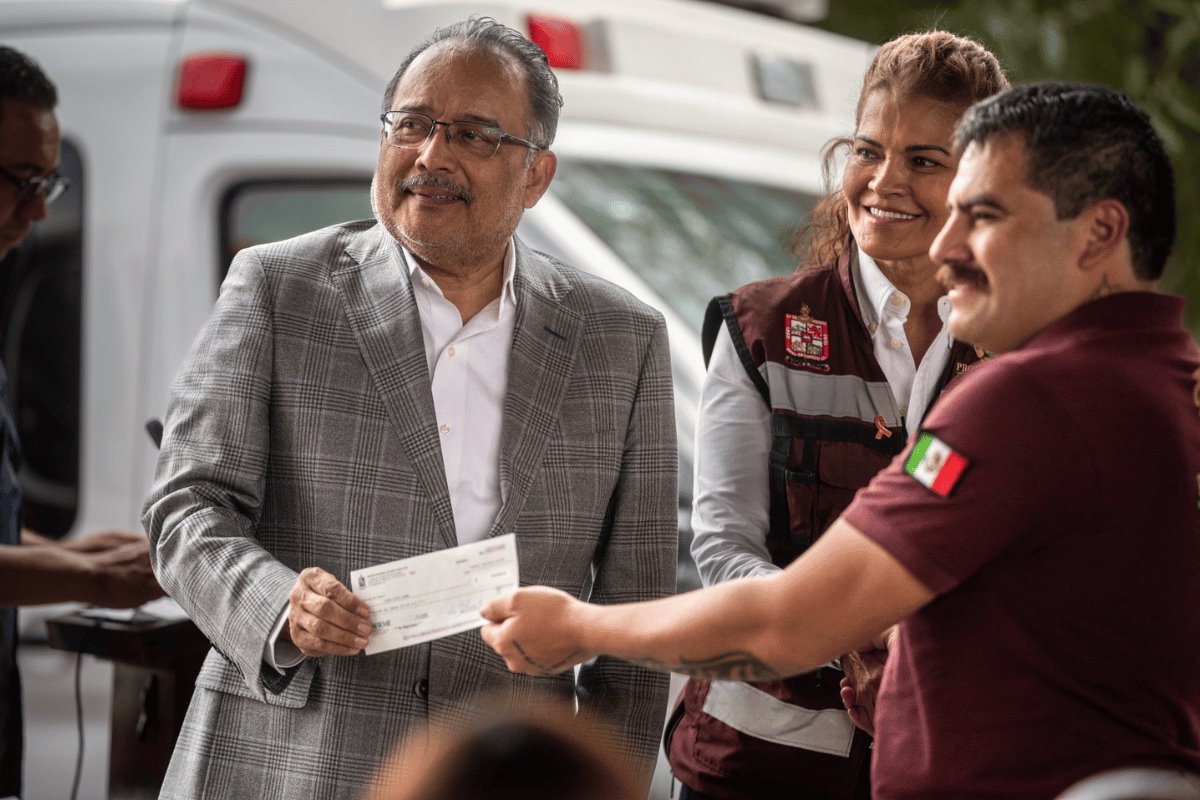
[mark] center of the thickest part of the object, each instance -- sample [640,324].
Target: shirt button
[450,351]
[445,428]
[897,300]
[895,344]
[904,412]
[872,327]
[421,688]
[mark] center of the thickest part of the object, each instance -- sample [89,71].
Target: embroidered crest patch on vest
[806,339]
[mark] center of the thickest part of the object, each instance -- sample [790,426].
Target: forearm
[842,592]
[725,632]
[729,515]
[722,557]
[733,441]
[91,543]
[33,539]
[209,561]
[34,575]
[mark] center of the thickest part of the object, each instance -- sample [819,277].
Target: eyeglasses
[409,130]
[50,188]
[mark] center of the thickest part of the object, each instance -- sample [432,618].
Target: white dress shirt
[468,370]
[731,510]
[885,310]
[468,365]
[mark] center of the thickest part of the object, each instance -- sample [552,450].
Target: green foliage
[1150,49]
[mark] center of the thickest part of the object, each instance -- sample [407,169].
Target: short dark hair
[1084,144]
[485,33]
[22,79]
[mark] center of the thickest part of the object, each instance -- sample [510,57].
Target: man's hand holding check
[324,617]
[400,603]
[437,594]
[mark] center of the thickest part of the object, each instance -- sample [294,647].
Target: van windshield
[690,237]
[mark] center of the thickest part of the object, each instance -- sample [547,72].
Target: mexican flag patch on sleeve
[935,464]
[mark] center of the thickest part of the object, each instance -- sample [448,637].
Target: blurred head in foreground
[552,756]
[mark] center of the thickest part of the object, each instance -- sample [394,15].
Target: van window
[690,237]
[41,285]
[268,211]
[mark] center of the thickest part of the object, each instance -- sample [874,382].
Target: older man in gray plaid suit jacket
[371,392]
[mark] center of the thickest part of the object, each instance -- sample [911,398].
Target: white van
[688,150]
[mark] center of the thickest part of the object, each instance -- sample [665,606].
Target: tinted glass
[690,237]
[267,211]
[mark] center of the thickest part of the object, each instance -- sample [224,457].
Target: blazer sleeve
[639,556]
[208,491]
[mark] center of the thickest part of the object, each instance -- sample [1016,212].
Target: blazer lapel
[545,343]
[383,316]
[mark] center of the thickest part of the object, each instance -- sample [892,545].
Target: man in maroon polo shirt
[1039,541]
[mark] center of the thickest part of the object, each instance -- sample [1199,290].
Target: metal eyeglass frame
[29,188]
[504,136]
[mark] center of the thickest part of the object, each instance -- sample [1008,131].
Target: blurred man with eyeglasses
[389,388]
[110,568]
[28,147]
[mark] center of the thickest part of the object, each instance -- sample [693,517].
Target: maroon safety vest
[834,424]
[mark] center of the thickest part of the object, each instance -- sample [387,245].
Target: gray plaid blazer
[301,432]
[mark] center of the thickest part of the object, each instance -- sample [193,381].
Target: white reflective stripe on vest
[758,714]
[818,395]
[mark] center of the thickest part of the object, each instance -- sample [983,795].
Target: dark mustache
[952,270]
[442,184]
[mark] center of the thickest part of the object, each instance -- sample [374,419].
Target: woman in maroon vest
[815,382]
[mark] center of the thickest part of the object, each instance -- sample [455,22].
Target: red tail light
[561,40]
[210,81]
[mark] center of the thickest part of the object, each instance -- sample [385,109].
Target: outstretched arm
[843,592]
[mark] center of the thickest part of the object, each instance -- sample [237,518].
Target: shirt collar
[875,290]
[508,295]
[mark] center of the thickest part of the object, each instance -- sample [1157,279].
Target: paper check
[426,597]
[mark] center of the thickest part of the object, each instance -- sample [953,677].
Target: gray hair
[485,33]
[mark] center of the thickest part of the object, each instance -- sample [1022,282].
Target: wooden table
[155,668]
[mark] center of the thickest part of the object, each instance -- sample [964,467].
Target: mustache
[954,271]
[441,184]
